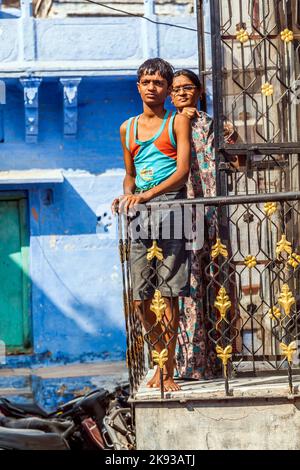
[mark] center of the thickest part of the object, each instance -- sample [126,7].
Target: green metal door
[14,279]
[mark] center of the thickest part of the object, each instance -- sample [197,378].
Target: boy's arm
[129,179]
[182,129]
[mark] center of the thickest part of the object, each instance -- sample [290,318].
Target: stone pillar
[70,91]
[31,102]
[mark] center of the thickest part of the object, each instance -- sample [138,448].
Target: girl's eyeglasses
[185,88]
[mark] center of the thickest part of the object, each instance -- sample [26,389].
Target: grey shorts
[171,275]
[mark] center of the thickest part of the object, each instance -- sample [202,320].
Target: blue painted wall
[76,306]
[103,104]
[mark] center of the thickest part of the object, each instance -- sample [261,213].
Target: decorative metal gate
[256,86]
[252,273]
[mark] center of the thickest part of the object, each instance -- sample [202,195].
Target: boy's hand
[190,112]
[115,204]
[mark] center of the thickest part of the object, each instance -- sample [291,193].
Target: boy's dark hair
[191,75]
[151,66]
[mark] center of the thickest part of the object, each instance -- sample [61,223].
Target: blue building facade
[66,86]
[76,309]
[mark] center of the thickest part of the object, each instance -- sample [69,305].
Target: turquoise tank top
[155,159]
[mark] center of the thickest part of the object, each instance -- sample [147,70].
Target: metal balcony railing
[250,273]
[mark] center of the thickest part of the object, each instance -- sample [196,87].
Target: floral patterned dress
[196,355]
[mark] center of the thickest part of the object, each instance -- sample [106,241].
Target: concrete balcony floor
[263,386]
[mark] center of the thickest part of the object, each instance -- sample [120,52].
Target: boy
[156,147]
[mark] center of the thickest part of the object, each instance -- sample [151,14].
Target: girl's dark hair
[151,66]
[191,75]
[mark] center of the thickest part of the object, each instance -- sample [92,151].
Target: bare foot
[169,384]
[155,381]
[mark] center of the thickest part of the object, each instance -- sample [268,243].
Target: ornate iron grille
[255,70]
[252,288]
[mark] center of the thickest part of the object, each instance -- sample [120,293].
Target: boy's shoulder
[124,124]
[181,121]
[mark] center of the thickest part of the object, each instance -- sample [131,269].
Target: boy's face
[153,89]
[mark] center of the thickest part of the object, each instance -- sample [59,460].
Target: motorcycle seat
[17,410]
[31,439]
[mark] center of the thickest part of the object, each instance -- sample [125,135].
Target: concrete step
[53,385]
[16,385]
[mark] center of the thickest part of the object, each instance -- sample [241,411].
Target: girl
[196,355]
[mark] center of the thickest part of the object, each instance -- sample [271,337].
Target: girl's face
[184,93]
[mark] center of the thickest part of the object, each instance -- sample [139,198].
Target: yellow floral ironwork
[284,246]
[242,35]
[160,358]
[287,35]
[289,350]
[267,89]
[222,304]
[294,260]
[286,299]
[158,305]
[270,208]
[219,249]
[274,313]
[224,354]
[250,261]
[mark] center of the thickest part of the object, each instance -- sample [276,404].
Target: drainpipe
[201,50]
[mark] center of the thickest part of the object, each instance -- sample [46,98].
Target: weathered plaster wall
[103,104]
[89,46]
[249,424]
[75,272]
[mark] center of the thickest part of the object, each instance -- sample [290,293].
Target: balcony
[250,274]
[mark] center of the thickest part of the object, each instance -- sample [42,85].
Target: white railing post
[26,8]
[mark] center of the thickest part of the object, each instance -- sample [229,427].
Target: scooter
[98,420]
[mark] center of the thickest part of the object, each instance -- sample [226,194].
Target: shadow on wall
[75,272]
[71,320]
[81,285]
[80,206]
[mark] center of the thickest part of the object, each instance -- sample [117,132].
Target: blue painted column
[31,102]
[70,87]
